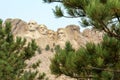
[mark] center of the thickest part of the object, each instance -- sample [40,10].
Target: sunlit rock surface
[44,36]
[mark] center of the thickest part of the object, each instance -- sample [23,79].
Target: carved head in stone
[32,25]
[76,28]
[51,34]
[61,34]
[73,28]
[43,29]
[87,32]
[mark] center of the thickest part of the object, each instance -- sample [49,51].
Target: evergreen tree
[100,14]
[58,65]
[57,48]
[96,62]
[13,53]
[47,48]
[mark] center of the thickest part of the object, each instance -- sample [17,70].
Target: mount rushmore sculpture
[44,36]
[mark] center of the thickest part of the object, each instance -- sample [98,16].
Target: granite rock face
[44,36]
[93,35]
[18,26]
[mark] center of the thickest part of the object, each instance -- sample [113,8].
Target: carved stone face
[43,29]
[32,25]
[73,28]
[61,34]
[76,28]
[51,34]
[87,33]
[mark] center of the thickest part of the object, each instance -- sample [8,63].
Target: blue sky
[34,10]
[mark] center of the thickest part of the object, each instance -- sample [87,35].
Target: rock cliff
[44,36]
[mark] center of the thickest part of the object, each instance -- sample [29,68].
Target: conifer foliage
[100,14]
[13,53]
[94,61]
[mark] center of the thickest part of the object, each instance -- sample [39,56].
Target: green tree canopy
[100,14]
[13,53]
[96,61]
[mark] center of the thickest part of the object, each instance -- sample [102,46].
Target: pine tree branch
[110,22]
[109,70]
[58,1]
[51,1]
[71,16]
[107,30]
[117,15]
[75,6]
[84,77]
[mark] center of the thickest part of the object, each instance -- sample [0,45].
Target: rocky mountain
[44,36]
